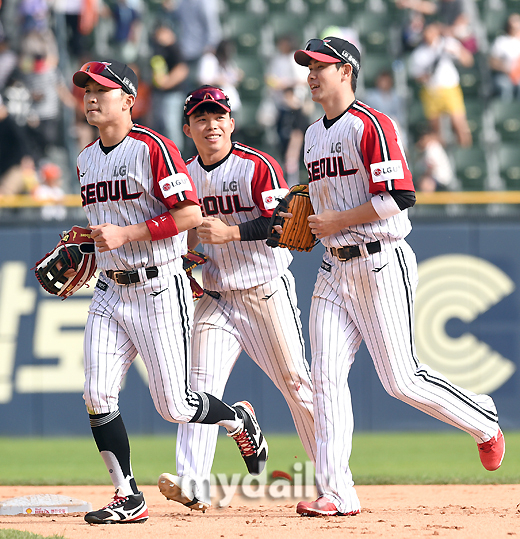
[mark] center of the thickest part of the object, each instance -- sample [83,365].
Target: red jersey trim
[377,146]
[169,163]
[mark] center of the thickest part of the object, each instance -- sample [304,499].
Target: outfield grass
[377,458]
[19,534]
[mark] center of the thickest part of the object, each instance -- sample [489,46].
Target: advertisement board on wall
[467,322]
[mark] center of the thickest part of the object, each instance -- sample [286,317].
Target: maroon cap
[204,95]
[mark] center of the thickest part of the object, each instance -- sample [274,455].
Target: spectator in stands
[432,64]
[412,30]
[127,33]
[169,72]
[433,166]
[197,23]
[17,168]
[385,98]
[504,60]
[48,90]
[451,14]
[8,60]
[37,39]
[141,113]
[287,82]
[81,16]
[220,69]
[50,191]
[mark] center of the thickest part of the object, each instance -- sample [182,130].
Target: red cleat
[321,507]
[492,452]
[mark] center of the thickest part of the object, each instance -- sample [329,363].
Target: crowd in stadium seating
[443,69]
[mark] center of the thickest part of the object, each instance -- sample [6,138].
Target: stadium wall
[467,327]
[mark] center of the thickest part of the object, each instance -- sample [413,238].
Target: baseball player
[140,200]
[360,187]
[250,300]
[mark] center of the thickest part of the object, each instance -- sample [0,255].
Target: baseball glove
[296,234]
[74,251]
[190,261]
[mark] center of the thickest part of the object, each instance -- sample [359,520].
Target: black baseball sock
[213,411]
[112,441]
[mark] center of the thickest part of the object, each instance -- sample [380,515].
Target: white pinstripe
[257,313]
[369,298]
[121,187]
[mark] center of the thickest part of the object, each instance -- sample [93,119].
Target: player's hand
[69,273]
[326,223]
[108,237]
[285,215]
[213,230]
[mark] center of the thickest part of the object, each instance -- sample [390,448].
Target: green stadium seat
[245,29]
[509,165]
[275,6]
[470,167]
[317,6]
[506,119]
[417,123]
[372,65]
[289,24]
[323,20]
[494,21]
[252,85]
[356,6]
[470,80]
[374,31]
[474,111]
[236,5]
[248,130]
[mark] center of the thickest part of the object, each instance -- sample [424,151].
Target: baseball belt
[352,251]
[131,276]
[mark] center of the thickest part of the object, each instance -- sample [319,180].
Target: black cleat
[121,510]
[250,440]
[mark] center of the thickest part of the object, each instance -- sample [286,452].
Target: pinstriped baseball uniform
[253,306]
[140,178]
[369,297]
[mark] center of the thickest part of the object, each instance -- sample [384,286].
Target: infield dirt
[410,511]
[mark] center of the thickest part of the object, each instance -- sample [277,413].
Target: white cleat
[173,487]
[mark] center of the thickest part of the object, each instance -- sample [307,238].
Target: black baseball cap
[109,74]
[330,50]
[204,95]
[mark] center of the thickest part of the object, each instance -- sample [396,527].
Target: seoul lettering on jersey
[328,167]
[102,191]
[213,205]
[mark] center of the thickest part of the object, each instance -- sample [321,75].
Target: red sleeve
[383,153]
[267,180]
[171,181]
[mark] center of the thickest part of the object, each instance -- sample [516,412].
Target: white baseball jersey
[369,297]
[244,186]
[359,156]
[253,307]
[138,179]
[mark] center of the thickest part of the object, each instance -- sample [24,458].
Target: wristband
[385,205]
[163,226]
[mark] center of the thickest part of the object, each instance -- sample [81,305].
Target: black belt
[131,276]
[352,251]
[212,293]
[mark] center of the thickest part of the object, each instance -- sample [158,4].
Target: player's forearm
[365,213]
[187,215]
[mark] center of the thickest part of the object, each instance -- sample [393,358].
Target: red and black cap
[204,95]
[330,50]
[109,74]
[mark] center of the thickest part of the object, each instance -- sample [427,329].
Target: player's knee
[98,403]
[174,415]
